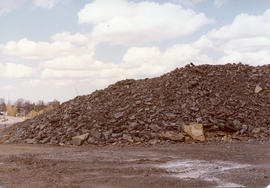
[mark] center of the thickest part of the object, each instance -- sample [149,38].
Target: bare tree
[3,106]
[20,105]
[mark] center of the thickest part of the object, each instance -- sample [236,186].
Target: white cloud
[76,38]
[236,41]
[12,70]
[220,3]
[31,83]
[131,23]
[138,62]
[7,6]
[31,50]
[63,74]
[69,62]
[151,61]
[188,2]
[46,3]
[246,40]
[245,25]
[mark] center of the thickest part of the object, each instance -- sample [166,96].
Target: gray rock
[118,115]
[154,127]
[30,141]
[133,125]
[91,140]
[78,140]
[170,135]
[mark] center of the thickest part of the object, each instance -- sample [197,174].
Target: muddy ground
[171,165]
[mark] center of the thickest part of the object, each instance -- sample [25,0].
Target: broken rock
[256,131]
[227,138]
[195,131]
[30,141]
[78,140]
[258,89]
[170,135]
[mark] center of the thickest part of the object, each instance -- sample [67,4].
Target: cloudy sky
[57,49]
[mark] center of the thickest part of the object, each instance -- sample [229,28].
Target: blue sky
[57,49]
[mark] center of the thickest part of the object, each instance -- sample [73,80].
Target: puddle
[203,170]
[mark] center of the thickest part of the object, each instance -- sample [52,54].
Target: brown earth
[169,165]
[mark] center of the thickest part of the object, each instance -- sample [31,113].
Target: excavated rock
[231,98]
[195,131]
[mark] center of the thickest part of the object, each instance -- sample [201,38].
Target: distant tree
[28,106]
[55,103]
[11,109]
[20,105]
[40,106]
[3,106]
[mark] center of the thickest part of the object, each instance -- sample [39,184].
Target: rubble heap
[232,98]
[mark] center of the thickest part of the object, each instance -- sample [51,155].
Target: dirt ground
[172,165]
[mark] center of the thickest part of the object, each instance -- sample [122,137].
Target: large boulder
[195,131]
[78,140]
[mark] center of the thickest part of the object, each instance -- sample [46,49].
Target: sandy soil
[178,165]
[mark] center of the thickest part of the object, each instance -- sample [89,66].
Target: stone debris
[256,131]
[170,135]
[30,141]
[186,104]
[227,138]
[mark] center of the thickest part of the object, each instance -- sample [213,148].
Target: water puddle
[203,170]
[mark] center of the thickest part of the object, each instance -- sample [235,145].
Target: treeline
[23,107]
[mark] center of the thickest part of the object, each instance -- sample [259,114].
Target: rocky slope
[231,99]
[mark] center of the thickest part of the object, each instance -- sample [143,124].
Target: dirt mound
[229,100]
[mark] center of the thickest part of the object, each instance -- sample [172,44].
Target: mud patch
[202,170]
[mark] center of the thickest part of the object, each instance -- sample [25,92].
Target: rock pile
[231,100]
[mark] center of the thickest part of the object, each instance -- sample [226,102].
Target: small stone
[256,131]
[127,137]
[213,128]
[170,135]
[258,89]
[45,140]
[133,125]
[236,123]
[187,139]
[138,102]
[153,142]
[107,134]
[66,116]
[91,140]
[118,115]
[154,127]
[30,141]
[41,127]
[227,138]
[170,115]
[241,138]
[116,135]
[132,117]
